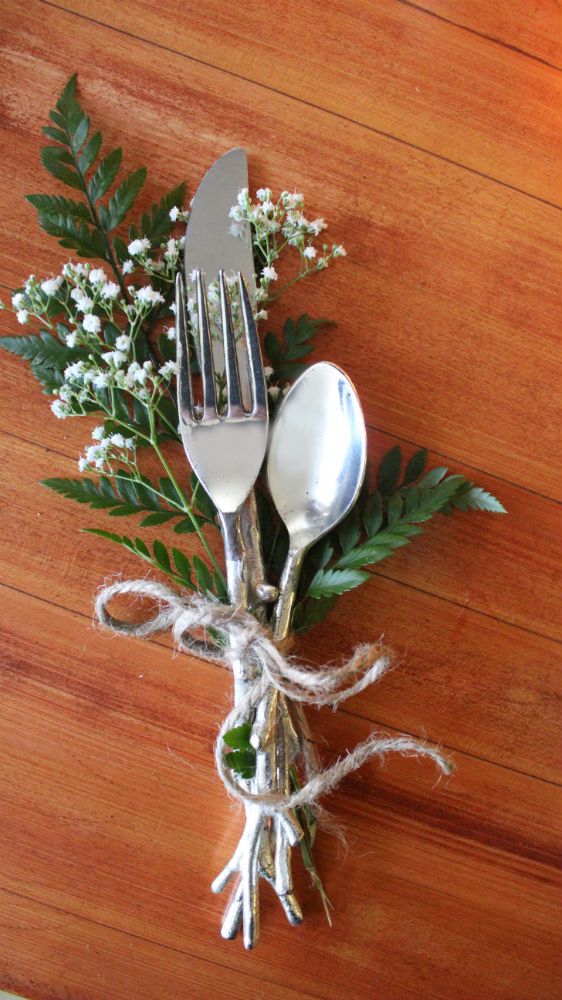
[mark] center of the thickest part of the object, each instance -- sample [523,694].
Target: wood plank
[469,680]
[48,953]
[447,306]
[481,562]
[532,28]
[101,822]
[388,66]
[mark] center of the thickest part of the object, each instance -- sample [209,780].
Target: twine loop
[233,637]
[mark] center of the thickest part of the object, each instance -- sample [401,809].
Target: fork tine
[234,403]
[207,369]
[257,377]
[182,352]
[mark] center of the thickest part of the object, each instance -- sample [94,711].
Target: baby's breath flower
[339,251]
[22,315]
[269,273]
[110,290]
[128,267]
[51,285]
[317,225]
[71,338]
[139,246]
[123,343]
[60,409]
[273,392]
[97,276]
[168,368]
[83,302]
[149,294]
[268,372]
[178,214]
[309,252]
[98,433]
[91,323]
[74,371]
[170,332]
[101,380]
[18,300]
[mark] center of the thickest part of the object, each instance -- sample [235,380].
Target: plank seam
[374,573]
[343,710]
[372,427]
[301,100]
[479,34]
[146,940]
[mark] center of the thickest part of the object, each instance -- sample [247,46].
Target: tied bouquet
[102,344]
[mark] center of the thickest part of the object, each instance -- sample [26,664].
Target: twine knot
[228,635]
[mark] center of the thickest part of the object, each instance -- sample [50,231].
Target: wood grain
[534,29]
[453,277]
[129,798]
[428,138]
[422,81]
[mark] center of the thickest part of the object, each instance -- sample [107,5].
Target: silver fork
[226,451]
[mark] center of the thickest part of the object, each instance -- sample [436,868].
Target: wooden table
[426,133]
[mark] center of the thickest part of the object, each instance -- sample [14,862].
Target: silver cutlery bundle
[315,466]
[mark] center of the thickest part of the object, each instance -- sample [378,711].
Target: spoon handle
[288,592]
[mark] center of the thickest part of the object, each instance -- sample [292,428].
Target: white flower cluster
[276,225]
[107,450]
[141,254]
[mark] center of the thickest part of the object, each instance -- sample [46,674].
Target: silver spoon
[316,464]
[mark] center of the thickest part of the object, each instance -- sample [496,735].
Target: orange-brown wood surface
[428,134]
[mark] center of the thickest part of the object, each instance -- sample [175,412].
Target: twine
[232,635]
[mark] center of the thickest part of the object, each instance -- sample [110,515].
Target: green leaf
[434,498]
[297,343]
[55,160]
[124,198]
[160,517]
[415,466]
[373,514]
[73,233]
[349,532]
[50,204]
[332,582]
[433,477]
[389,470]
[203,575]
[183,566]
[471,497]
[378,547]
[161,555]
[184,527]
[156,225]
[242,762]
[105,174]
[201,499]
[239,737]
[309,613]
[90,153]
[395,508]
[42,349]
[127,497]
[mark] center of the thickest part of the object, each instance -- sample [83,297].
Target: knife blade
[210,245]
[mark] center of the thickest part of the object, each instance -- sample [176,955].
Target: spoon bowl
[316,464]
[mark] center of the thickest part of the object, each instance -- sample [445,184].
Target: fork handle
[235,559]
[260,592]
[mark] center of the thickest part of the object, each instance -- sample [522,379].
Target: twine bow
[231,633]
